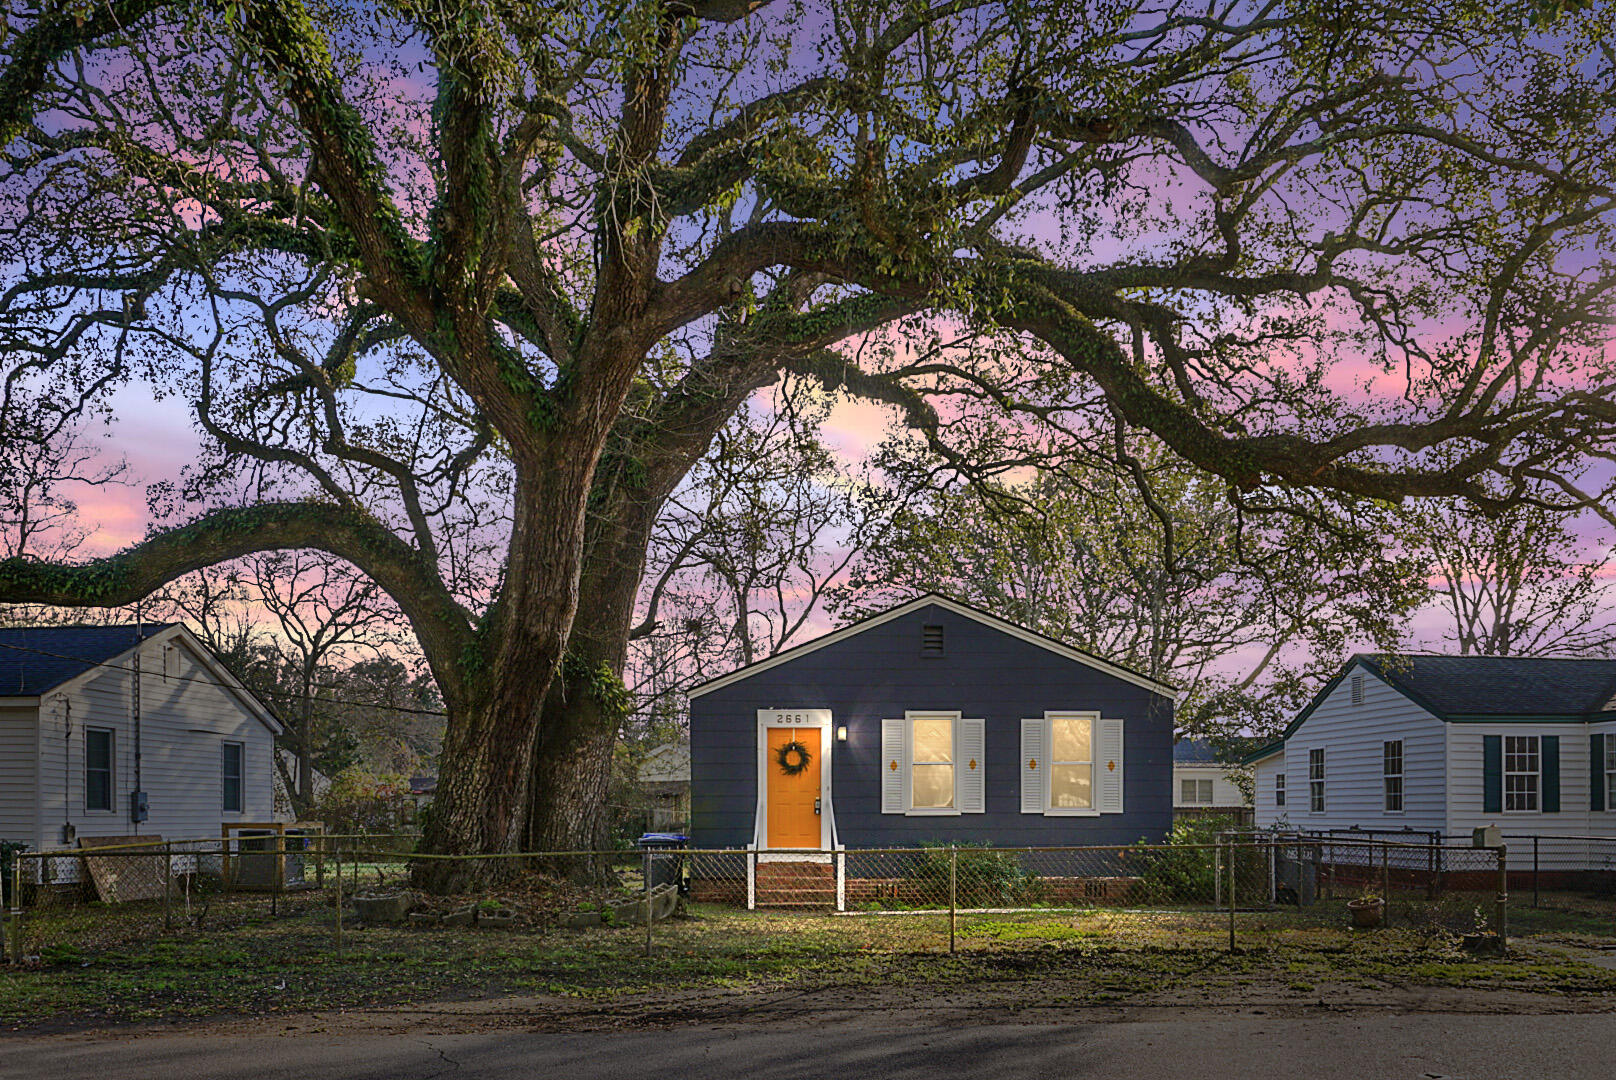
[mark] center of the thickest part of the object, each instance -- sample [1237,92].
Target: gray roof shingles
[33,659]
[1452,686]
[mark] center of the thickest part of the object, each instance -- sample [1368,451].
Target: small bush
[983,877]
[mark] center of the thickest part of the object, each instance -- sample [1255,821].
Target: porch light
[841,733]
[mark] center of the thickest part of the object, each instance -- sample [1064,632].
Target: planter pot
[1367,913]
[383,909]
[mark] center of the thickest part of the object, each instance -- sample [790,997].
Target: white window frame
[1194,798]
[1531,750]
[909,763]
[241,776]
[112,770]
[1610,770]
[1279,788]
[1387,776]
[1093,809]
[1315,780]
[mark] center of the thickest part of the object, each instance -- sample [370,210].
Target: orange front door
[793,797]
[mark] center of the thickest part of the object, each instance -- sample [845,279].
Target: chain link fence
[361,892]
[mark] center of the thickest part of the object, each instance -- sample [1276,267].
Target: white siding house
[1445,744]
[1202,784]
[70,726]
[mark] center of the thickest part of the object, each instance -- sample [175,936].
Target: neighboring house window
[1610,771]
[97,769]
[1315,780]
[931,748]
[1391,770]
[933,763]
[1195,792]
[1071,763]
[231,770]
[1522,766]
[1279,789]
[1357,689]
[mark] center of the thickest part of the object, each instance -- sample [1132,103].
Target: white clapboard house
[1446,744]
[110,731]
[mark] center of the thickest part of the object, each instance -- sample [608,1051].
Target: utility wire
[227,686]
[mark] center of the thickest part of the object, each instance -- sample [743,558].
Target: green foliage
[1184,870]
[603,685]
[983,877]
[360,801]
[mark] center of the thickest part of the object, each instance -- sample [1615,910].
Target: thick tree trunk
[573,753]
[481,804]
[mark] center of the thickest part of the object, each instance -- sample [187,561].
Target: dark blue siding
[880,673]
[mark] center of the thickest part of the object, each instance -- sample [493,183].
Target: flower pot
[1367,913]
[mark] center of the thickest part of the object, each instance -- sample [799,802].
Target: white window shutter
[1109,767]
[1033,766]
[893,771]
[971,767]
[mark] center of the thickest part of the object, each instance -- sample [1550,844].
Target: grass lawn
[246,963]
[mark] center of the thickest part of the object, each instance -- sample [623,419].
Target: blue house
[932,721]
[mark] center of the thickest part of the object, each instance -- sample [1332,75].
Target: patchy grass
[255,965]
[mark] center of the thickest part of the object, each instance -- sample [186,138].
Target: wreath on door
[793,758]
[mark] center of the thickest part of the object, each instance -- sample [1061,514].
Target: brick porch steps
[796,885]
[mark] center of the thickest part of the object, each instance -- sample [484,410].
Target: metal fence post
[1386,879]
[338,857]
[1502,903]
[1535,839]
[649,918]
[16,908]
[953,896]
[1231,894]
[168,885]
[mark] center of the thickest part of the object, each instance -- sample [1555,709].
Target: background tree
[1242,617]
[1522,583]
[490,277]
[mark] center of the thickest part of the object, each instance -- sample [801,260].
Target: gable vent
[1357,689]
[931,640]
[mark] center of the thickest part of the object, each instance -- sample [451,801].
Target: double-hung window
[1522,772]
[931,763]
[1071,763]
[1279,789]
[1391,775]
[1315,780]
[97,769]
[231,765]
[1610,771]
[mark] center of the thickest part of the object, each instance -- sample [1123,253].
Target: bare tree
[1521,583]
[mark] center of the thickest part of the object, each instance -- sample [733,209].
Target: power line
[227,686]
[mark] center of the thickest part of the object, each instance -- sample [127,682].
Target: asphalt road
[1360,1046]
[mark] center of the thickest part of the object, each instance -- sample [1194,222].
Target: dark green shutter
[1551,774]
[1596,771]
[1492,774]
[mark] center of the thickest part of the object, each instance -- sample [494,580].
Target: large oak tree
[487,276]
